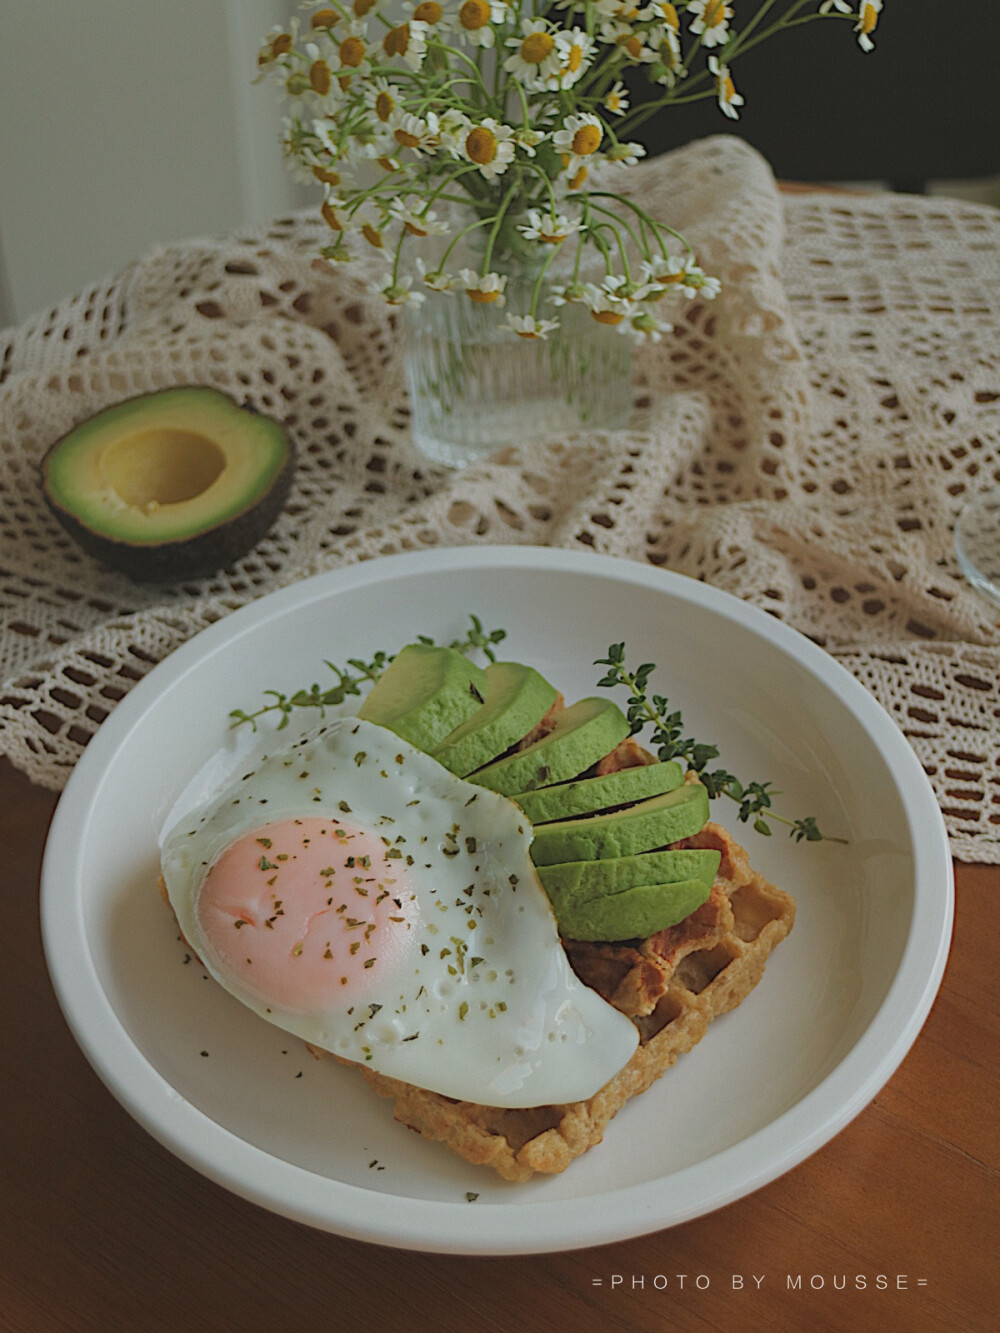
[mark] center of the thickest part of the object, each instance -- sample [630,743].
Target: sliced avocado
[169,485]
[632,914]
[425,693]
[638,828]
[578,881]
[587,795]
[517,698]
[583,733]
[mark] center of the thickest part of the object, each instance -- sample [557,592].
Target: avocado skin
[192,557]
[638,828]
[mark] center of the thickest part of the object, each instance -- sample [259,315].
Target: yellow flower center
[329,216]
[715,13]
[397,40]
[327,177]
[281,45]
[526,333]
[474,14]
[387,164]
[428,11]
[320,77]
[578,179]
[352,52]
[869,18]
[614,101]
[482,298]
[727,89]
[670,16]
[325,18]
[607,316]
[373,236]
[385,104]
[413,229]
[536,47]
[481,145]
[405,139]
[632,45]
[575,59]
[361,7]
[586,140]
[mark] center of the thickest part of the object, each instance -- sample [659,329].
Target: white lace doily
[804,442]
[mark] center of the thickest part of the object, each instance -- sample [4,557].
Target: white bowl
[840,1004]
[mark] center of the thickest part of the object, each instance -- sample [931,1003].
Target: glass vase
[475,385]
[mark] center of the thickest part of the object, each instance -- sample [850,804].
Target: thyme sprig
[356,673]
[667,736]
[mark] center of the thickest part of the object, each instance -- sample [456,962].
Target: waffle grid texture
[804,442]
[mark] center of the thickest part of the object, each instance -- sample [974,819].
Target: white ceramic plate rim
[539,1225]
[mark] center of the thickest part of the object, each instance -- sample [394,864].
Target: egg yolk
[307,913]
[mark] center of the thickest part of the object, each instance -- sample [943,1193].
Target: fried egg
[355,893]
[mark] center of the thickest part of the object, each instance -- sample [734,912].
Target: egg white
[501,1020]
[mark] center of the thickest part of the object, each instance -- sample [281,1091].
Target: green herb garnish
[351,677]
[667,736]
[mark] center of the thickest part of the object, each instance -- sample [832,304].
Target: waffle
[671,985]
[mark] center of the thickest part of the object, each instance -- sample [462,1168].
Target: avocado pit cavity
[161,466]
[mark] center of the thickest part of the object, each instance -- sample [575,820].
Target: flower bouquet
[478,147]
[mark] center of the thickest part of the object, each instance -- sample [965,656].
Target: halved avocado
[170,485]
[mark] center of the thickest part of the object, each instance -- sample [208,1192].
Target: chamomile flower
[436,278]
[476,20]
[645,327]
[420,133]
[381,98]
[548,228]
[490,146]
[605,307]
[580,136]
[437,15]
[528,139]
[535,55]
[484,288]
[725,89]
[681,275]
[369,223]
[399,292]
[527,326]
[328,132]
[866,24]
[661,11]
[616,99]
[569,293]
[575,49]
[625,154]
[711,22]
[353,56]
[416,217]
[408,41]
[632,43]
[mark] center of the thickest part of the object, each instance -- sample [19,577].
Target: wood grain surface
[102,1229]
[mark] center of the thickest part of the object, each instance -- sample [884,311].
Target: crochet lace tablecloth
[805,442]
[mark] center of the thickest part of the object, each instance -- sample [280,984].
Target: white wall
[126,123]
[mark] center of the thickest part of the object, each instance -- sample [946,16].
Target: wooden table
[102,1229]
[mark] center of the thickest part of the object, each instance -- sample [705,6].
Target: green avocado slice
[587,795]
[577,882]
[584,733]
[425,693]
[632,914]
[638,828]
[517,698]
[172,484]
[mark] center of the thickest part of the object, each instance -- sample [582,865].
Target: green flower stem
[620,222]
[536,290]
[497,222]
